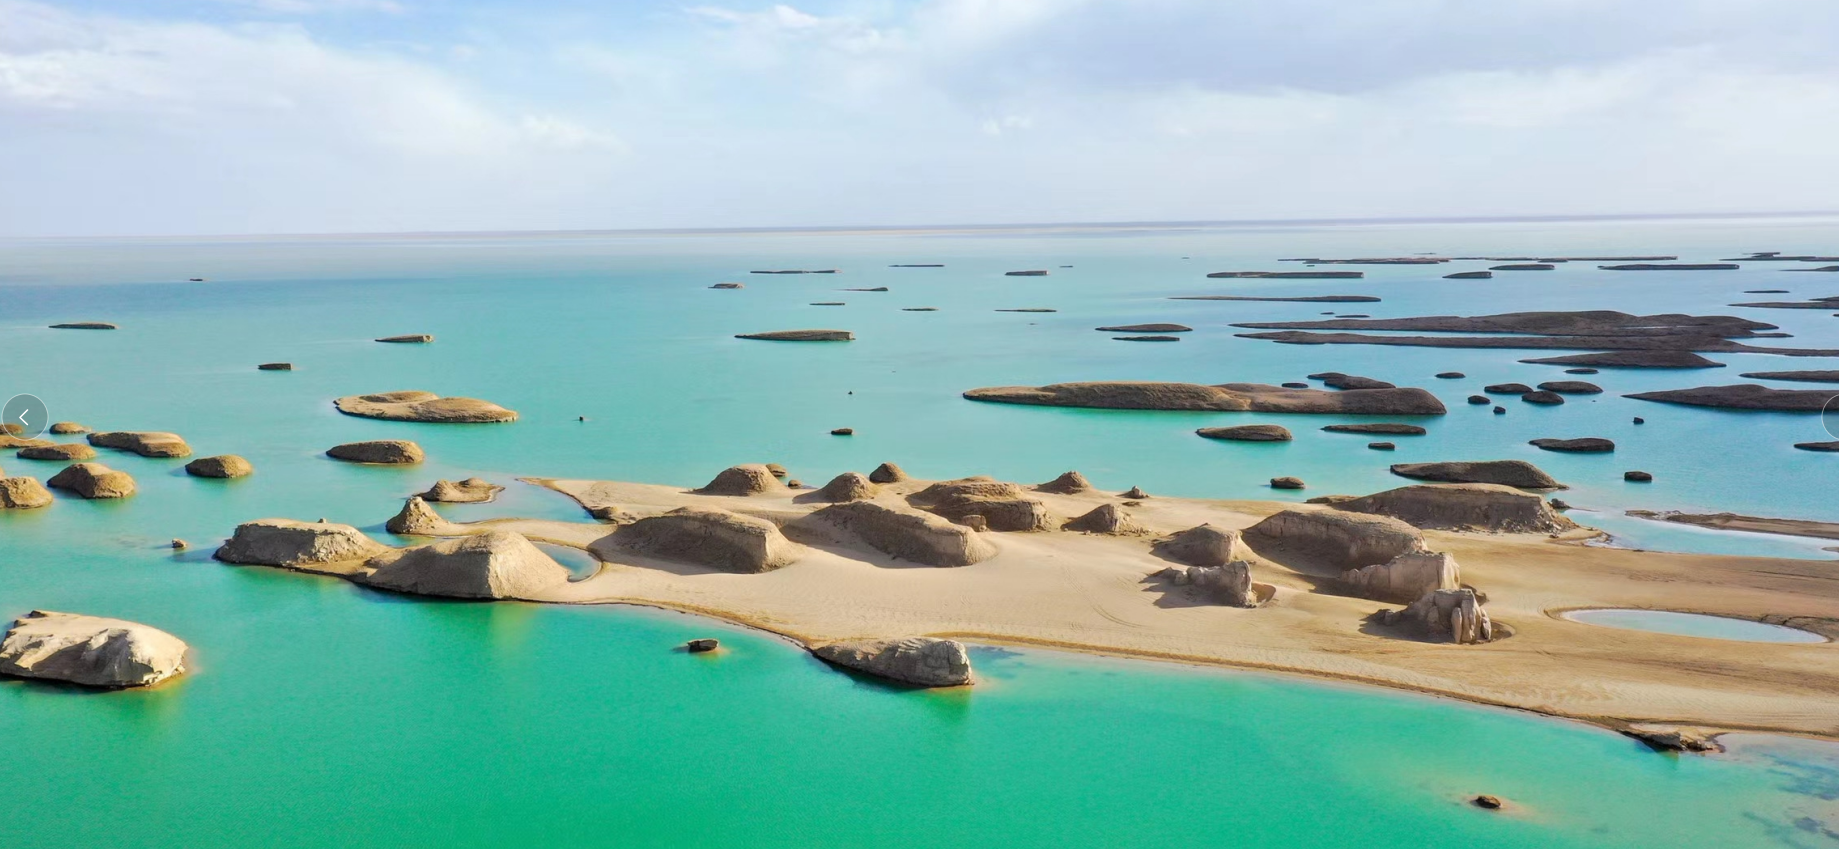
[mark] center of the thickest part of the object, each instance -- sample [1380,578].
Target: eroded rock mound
[1631,359]
[887,473]
[800,336]
[144,443]
[1515,473]
[848,486]
[1547,398]
[1203,545]
[1229,584]
[922,661]
[90,650]
[1571,387]
[1463,507]
[415,406]
[908,534]
[1106,519]
[1227,397]
[1343,540]
[68,428]
[1390,428]
[415,519]
[746,479]
[64,451]
[1068,483]
[1404,578]
[221,466]
[393,452]
[23,494]
[1247,433]
[285,542]
[1748,396]
[469,491]
[494,565]
[1455,615]
[1343,380]
[1584,445]
[93,480]
[709,537]
[1001,505]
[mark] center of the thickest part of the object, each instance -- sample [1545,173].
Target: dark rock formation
[1748,396]
[275,367]
[1316,299]
[1489,508]
[1230,397]
[1469,275]
[1382,446]
[1514,473]
[1524,266]
[1450,375]
[1480,399]
[1248,433]
[1817,446]
[1571,387]
[1630,359]
[1146,338]
[84,325]
[887,473]
[1637,476]
[1338,380]
[921,661]
[1673,266]
[1817,376]
[1508,388]
[1290,275]
[380,451]
[702,645]
[409,339]
[1390,428]
[1585,445]
[1543,397]
[93,480]
[1034,273]
[220,466]
[1147,328]
[800,336]
[1287,483]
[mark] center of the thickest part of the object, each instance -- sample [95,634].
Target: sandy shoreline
[1097,594]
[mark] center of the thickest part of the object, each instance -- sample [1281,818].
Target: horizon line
[950,228]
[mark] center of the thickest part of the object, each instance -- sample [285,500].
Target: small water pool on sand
[580,564]
[1693,625]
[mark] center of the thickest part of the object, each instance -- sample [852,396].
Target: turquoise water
[1694,625]
[321,714]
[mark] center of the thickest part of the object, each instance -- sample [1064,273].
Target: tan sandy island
[1106,594]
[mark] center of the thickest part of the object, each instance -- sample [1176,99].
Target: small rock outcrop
[1455,615]
[1002,505]
[1490,508]
[1637,476]
[84,325]
[492,565]
[90,650]
[1404,578]
[23,494]
[1515,473]
[65,451]
[1668,738]
[907,534]
[292,544]
[1287,483]
[1229,584]
[392,452]
[1584,445]
[468,491]
[1203,545]
[275,367]
[1543,397]
[144,443]
[848,486]
[747,479]
[1248,433]
[1147,328]
[1480,400]
[1507,389]
[709,537]
[921,661]
[800,336]
[1106,519]
[415,406]
[1068,483]
[1226,397]
[702,645]
[1571,387]
[68,428]
[1135,493]
[415,519]
[1343,540]
[1747,396]
[409,339]
[93,480]
[221,466]
[887,473]
[1342,380]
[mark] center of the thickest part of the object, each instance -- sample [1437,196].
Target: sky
[167,117]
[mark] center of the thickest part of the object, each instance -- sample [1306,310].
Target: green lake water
[322,714]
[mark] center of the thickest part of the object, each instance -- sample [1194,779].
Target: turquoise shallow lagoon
[321,714]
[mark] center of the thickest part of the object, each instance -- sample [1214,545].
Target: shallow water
[323,714]
[1693,625]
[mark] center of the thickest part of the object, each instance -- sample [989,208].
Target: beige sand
[1094,593]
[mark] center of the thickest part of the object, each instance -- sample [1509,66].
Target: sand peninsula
[1319,589]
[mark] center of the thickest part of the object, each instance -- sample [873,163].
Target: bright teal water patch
[323,714]
[1693,625]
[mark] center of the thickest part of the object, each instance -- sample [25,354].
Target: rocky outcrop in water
[1289,275]
[1815,376]
[409,339]
[220,466]
[717,539]
[416,519]
[275,367]
[1748,396]
[1668,738]
[144,443]
[1514,473]
[416,406]
[1490,508]
[921,661]
[1630,359]
[1598,330]
[1247,433]
[1571,387]
[84,325]
[1387,428]
[23,494]
[1453,615]
[1148,328]
[468,491]
[800,336]
[1338,539]
[491,565]
[1404,578]
[90,650]
[61,451]
[68,428]
[1584,445]
[390,452]
[93,480]
[907,534]
[1543,397]
[1316,299]
[1229,397]
[285,542]
[746,479]
[1469,275]
[1342,380]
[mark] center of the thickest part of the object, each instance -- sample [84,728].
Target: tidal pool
[1693,625]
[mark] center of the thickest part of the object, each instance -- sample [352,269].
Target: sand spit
[1101,593]
[1746,396]
[1753,524]
[1226,397]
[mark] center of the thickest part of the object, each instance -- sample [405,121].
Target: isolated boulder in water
[1248,433]
[1455,615]
[90,650]
[848,486]
[1514,473]
[887,473]
[393,452]
[144,443]
[469,491]
[923,661]
[416,519]
[66,451]
[714,538]
[907,534]
[1463,507]
[285,542]
[1585,445]
[66,428]
[1106,519]
[1344,540]
[23,494]
[749,479]
[495,564]
[416,406]
[222,466]
[93,480]
[1070,483]
[1404,578]
[1203,545]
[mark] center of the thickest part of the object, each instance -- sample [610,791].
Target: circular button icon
[1829,416]
[24,416]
